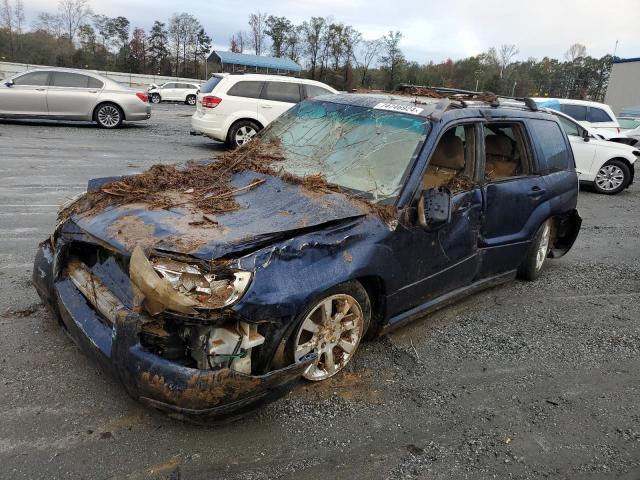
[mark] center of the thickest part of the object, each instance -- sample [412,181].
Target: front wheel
[191,100]
[155,98]
[109,115]
[332,328]
[537,254]
[613,177]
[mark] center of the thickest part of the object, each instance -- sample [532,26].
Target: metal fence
[8,69]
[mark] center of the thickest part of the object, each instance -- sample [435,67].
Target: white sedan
[174,92]
[608,166]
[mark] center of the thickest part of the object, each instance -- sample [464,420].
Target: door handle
[536,191]
[266,106]
[93,91]
[40,89]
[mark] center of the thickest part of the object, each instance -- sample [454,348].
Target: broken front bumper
[181,391]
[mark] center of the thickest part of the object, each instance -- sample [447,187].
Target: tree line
[328,50]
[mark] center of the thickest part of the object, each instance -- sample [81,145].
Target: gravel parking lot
[527,380]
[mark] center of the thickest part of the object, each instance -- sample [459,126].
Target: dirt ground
[528,380]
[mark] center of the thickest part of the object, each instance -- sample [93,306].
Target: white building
[624,85]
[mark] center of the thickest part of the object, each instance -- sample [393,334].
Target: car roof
[273,78]
[586,103]
[421,105]
[80,71]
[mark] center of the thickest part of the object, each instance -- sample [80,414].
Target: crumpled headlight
[209,290]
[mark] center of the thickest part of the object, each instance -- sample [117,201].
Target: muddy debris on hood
[206,187]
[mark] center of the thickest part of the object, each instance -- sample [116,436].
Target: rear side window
[72,80]
[246,89]
[95,83]
[210,84]
[598,115]
[551,144]
[315,91]
[34,78]
[282,92]
[577,112]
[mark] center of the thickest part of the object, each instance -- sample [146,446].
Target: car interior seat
[501,162]
[446,162]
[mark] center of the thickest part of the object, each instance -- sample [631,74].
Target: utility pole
[615,49]
[513,90]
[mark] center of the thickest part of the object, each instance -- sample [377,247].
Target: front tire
[109,115]
[332,327]
[242,132]
[613,177]
[155,98]
[191,100]
[538,252]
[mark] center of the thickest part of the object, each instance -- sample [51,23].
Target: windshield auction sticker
[398,108]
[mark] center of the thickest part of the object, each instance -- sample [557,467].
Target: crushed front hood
[272,211]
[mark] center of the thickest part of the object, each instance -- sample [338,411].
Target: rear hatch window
[211,84]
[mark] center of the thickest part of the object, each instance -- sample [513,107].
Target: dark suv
[348,216]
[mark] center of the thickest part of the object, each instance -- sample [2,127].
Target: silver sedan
[65,94]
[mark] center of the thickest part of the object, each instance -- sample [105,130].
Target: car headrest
[499,145]
[449,153]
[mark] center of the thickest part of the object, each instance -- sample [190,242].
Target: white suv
[233,108]
[174,92]
[594,115]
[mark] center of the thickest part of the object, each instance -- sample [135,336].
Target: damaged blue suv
[209,288]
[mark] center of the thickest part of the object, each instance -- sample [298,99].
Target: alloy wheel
[109,116]
[191,100]
[244,135]
[609,178]
[543,247]
[333,329]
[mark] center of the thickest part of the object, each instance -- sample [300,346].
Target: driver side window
[452,163]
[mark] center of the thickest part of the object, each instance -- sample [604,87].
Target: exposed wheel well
[376,292]
[95,110]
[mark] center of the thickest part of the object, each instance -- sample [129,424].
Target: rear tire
[538,252]
[613,177]
[241,133]
[109,115]
[191,100]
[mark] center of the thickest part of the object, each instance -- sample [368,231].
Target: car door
[72,95]
[26,95]
[168,91]
[514,189]
[446,258]
[278,97]
[584,148]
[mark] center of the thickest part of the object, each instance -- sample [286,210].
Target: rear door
[72,95]
[277,98]
[513,192]
[27,96]
[168,91]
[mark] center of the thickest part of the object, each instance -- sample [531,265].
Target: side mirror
[585,135]
[434,208]
[9,83]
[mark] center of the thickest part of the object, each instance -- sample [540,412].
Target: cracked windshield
[362,149]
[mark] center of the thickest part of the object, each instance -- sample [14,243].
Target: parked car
[349,216]
[594,115]
[608,166]
[67,94]
[233,108]
[630,127]
[174,92]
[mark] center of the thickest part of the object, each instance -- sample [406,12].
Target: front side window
[361,149]
[505,151]
[577,112]
[598,115]
[37,79]
[569,127]
[552,145]
[246,89]
[71,80]
[452,164]
[169,85]
[282,92]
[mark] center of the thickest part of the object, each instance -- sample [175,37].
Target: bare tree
[18,12]
[505,56]
[392,59]
[577,50]
[257,34]
[49,23]
[369,51]
[7,17]
[313,33]
[73,13]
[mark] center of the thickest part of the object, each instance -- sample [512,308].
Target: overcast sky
[432,29]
